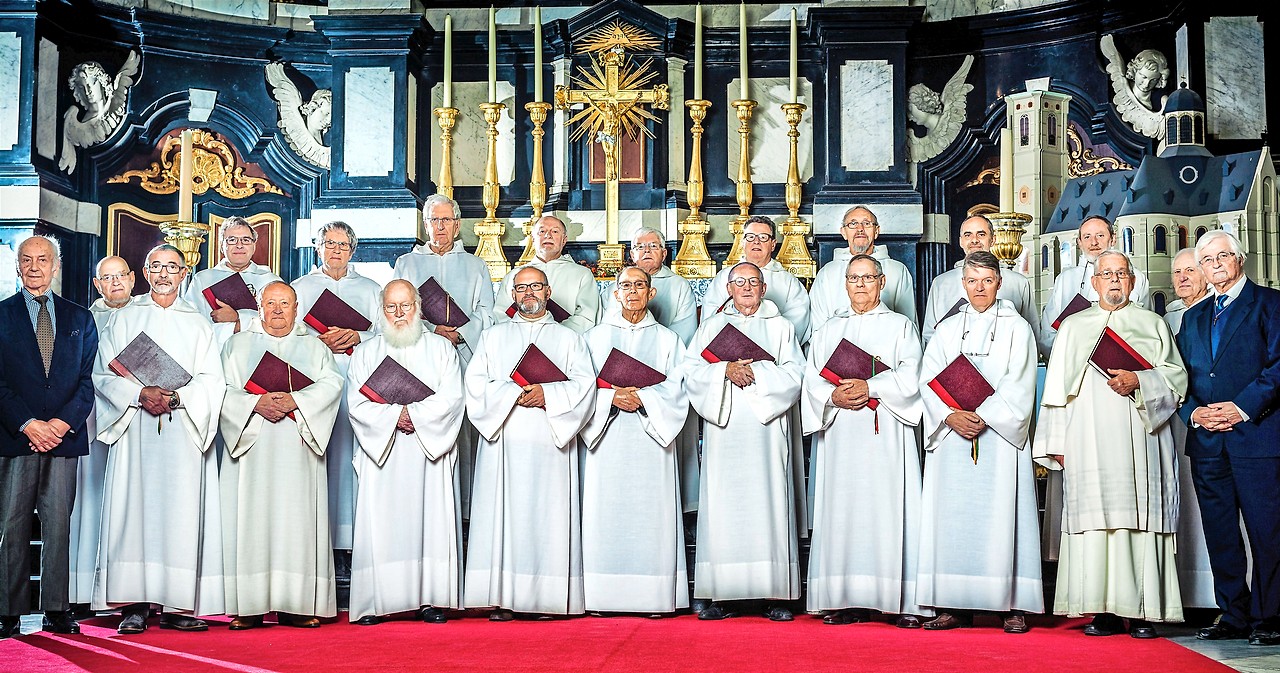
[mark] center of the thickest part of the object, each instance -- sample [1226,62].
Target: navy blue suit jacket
[1246,372]
[26,393]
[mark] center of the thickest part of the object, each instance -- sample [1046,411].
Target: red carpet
[599,644]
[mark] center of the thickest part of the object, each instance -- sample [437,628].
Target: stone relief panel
[303,123]
[1136,86]
[939,115]
[102,102]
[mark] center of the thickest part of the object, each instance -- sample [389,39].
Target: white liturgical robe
[633,556]
[408,529]
[828,294]
[948,288]
[980,535]
[783,289]
[361,294]
[573,288]
[255,276]
[274,493]
[525,546]
[161,523]
[866,509]
[1120,480]
[1075,280]
[750,504]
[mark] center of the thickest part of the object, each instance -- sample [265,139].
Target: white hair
[1115,253]
[646,231]
[437,199]
[1215,234]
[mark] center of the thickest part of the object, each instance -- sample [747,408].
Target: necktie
[44,332]
[1216,324]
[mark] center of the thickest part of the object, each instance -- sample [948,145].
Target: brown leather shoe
[1015,623]
[244,623]
[297,621]
[945,621]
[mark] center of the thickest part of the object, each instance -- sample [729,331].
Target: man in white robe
[976,234]
[113,279]
[980,533]
[408,529]
[866,469]
[237,241]
[749,510]
[786,292]
[633,557]
[860,229]
[275,498]
[1113,441]
[161,539]
[576,290]
[466,278]
[524,550]
[335,243]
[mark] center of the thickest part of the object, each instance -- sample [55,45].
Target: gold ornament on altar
[215,166]
[1006,244]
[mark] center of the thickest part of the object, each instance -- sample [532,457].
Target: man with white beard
[161,538]
[633,557]
[408,541]
[524,550]
[275,498]
[576,290]
[860,228]
[237,240]
[113,279]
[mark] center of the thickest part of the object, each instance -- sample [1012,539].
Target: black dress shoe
[846,616]
[1222,631]
[1141,628]
[59,621]
[501,615]
[183,623]
[907,622]
[715,612]
[698,605]
[432,615]
[1104,624]
[10,626]
[368,620]
[1265,636]
[132,624]
[777,613]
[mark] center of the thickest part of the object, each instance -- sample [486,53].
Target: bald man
[576,290]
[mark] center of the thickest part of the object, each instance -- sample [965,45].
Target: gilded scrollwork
[215,166]
[1082,161]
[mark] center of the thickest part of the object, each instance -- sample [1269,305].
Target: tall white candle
[493,55]
[742,50]
[448,60]
[537,54]
[185,174]
[795,57]
[697,52]
[1006,170]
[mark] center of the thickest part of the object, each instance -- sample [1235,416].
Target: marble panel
[943,10]
[866,115]
[202,102]
[677,117]
[366,6]
[896,219]
[411,132]
[556,137]
[1181,57]
[10,89]
[1235,90]
[255,10]
[470,145]
[368,222]
[19,202]
[47,100]
[589,225]
[368,121]
[769,142]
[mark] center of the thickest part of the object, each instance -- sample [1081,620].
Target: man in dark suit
[1231,347]
[46,395]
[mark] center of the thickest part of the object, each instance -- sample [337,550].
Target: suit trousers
[47,484]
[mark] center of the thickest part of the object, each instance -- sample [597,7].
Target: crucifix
[613,99]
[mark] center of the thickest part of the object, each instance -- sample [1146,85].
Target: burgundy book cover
[624,371]
[955,308]
[233,292]
[331,312]
[536,368]
[961,385]
[731,345]
[438,308]
[557,312]
[144,362]
[1113,352]
[1078,303]
[391,383]
[848,361]
[273,375]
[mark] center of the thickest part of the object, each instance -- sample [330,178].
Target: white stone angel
[940,115]
[1133,85]
[104,101]
[303,124]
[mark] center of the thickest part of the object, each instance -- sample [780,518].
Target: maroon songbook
[961,385]
[438,308]
[233,292]
[391,383]
[955,308]
[1113,352]
[624,371]
[848,361]
[273,375]
[331,312]
[731,345]
[557,312]
[1077,304]
[535,368]
[144,362]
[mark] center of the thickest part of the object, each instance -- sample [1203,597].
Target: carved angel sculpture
[940,115]
[303,124]
[104,101]
[1133,84]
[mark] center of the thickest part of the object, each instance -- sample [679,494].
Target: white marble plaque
[770,146]
[47,101]
[905,219]
[411,132]
[368,122]
[470,145]
[368,223]
[256,10]
[866,115]
[1235,93]
[10,88]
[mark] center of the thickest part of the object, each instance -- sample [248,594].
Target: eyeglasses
[647,246]
[403,307]
[535,286]
[1220,258]
[240,240]
[743,282]
[440,220]
[753,237]
[341,245]
[168,267]
[859,224]
[864,279]
[112,277]
[628,285]
[1113,275]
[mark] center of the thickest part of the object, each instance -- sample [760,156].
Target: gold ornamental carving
[1082,161]
[215,166]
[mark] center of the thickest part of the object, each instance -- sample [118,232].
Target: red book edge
[520,379]
[123,371]
[315,324]
[1127,348]
[834,379]
[1057,323]
[511,311]
[709,356]
[368,392]
[943,395]
[208,296]
[601,383]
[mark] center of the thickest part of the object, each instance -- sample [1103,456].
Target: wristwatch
[174,402]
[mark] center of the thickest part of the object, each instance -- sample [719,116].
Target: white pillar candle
[537,54]
[493,55]
[185,175]
[1006,170]
[697,52]
[448,60]
[742,50]
[795,58]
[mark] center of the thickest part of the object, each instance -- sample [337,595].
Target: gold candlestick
[447,117]
[537,180]
[743,109]
[187,237]
[489,231]
[693,260]
[794,251]
[1006,244]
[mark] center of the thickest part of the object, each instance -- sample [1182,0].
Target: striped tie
[44,332]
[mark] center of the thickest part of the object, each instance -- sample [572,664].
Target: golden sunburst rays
[617,34]
[625,109]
